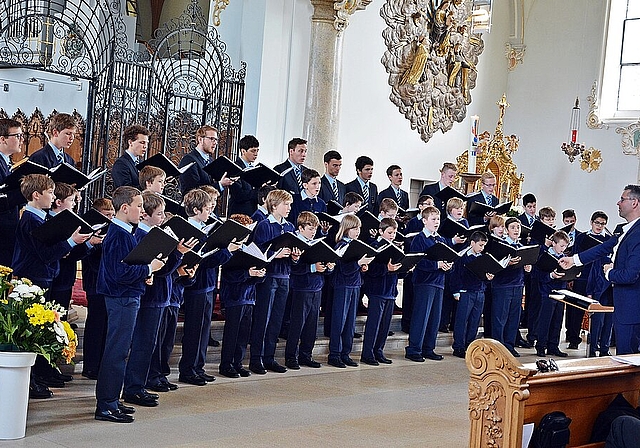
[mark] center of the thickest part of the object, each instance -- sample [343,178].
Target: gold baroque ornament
[218,7]
[590,159]
[431,59]
[593,121]
[344,8]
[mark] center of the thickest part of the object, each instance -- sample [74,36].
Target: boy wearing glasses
[11,139]
[484,196]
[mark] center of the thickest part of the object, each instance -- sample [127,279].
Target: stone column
[322,111]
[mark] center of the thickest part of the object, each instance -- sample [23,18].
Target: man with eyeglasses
[203,154]
[623,272]
[11,140]
[61,131]
[484,196]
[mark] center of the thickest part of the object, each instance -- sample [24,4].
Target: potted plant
[29,326]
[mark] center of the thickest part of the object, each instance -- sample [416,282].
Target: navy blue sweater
[264,232]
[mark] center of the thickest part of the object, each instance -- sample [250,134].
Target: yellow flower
[5,270]
[70,333]
[39,315]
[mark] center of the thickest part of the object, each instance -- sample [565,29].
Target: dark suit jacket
[372,206]
[432,190]
[625,274]
[46,157]
[196,175]
[326,192]
[288,182]
[524,219]
[244,197]
[124,172]
[9,217]
[474,219]
[391,194]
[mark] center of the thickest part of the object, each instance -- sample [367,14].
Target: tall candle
[473,147]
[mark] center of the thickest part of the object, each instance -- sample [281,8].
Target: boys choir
[133,308]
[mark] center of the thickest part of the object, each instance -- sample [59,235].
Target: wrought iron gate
[179,81]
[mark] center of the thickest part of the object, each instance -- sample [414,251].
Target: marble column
[322,110]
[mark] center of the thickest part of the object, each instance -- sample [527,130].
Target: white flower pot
[15,371]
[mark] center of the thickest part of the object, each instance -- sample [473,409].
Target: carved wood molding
[497,390]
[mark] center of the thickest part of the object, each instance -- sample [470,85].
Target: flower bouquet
[28,323]
[515,211]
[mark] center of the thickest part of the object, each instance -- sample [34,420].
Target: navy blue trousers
[506,308]
[235,336]
[549,323]
[159,368]
[343,321]
[145,335]
[271,299]
[376,329]
[121,314]
[305,310]
[95,332]
[468,315]
[196,330]
[425,318]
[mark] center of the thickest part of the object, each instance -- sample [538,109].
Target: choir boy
[573,316]
[469,292]
[484,196]
[124,170]
[152,304]
[307,281]
[238,295]
[262,212]
[122,285]
[428,286]
[506,289]
[271,295]
[95,326]
[551,311]
[308,199]
[61,131]
[199,297]
[381,287]
[363,186]
[152,178]
[401,197]
[346,285]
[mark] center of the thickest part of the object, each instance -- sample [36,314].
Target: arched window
[620,94]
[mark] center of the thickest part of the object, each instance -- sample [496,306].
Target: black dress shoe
[414,357]
[275,367]
[458,353]
[141,399]
[257,368]
[604,354]
[213,342]
[90,374]
[171,386]
[336,362]
[572,346]
[114,416]
[349,362]
[522,343]
[160,387]
[126,409]
[229,372]
[208,378]
[149,394]
[292,364]
[515,353]
[195,380]
[370,361]
[39,392]
[557,352]
[48,381]
[383,359]
[243,372]
[62,376]
[357,335]
[391,333]
[540,352]
[443,330]
[433,356]
[309,363]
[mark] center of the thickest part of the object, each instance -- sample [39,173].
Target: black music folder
[222,165]
[481,209]
[61,226]
[74,177]
[334,207]
[392,253]
[540,231]
[287,239]
[192,258]
[355,250]
[158,243]
[174,207]
[19,170]
[229,231]
[369,222]
[165,164]
[486,264]
[447,193]
[441,252]
[260,174]
[183,229]
[588,242]
[528,256]
[249,256]
[549,263]
[318,251]
[94,217]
